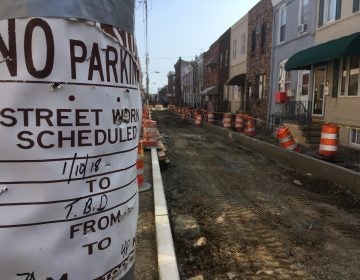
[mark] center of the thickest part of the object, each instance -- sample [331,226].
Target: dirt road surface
[257,222]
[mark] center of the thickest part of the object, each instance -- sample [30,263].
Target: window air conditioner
[290,93]
[302,28]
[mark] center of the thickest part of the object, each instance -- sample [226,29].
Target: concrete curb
[168,269]
[319,168]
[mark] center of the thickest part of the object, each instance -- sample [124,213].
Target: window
[343,77]
[282,24]
[304,12]
[284,77]
[253,41]
[356,5]
[234,48]
[235,93]
[354,136]
[304,82]
[243,44]
[353,77]
[226,57]
[263,35]
[350,76]
[262,79]
[221,60]
[329,10]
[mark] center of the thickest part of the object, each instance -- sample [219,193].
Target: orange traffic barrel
[204,114]
[140,178]
[239,122]
[140,166]
[227,120]
[210,116]
[145,113]
[198,119]
[329,140]
[286,140]
[150,132]
[250,126]
[187,112]
[183,114]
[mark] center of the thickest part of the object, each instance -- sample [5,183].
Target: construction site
[242,208]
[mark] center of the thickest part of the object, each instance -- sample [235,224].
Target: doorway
[319,91]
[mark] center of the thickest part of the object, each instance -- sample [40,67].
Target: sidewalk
[146,266]
[345,157]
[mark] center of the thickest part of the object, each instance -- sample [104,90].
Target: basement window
[354,136]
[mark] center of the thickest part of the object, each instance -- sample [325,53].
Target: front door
[303,88]
[319,91]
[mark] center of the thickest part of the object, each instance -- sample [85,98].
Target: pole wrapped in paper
[70,115]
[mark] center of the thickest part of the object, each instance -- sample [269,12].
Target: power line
[138,6]
[170,57]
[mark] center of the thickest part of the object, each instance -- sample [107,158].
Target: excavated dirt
[260,219]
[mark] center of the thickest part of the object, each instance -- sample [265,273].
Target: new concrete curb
[322,169]
[168,269]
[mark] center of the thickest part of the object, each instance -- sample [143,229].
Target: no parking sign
[69,125]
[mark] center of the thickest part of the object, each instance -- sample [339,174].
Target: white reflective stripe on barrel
[292,147]
[286,139]
[329,136]
[328,148]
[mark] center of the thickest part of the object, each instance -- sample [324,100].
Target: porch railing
[293,111]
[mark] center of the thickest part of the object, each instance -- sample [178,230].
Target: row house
[334,66]
[162,95]
[224,62]
[181,67]
[237,69]
[198,79]
[285,61]
[187,86]
[171,87]
[211,85]
[294,28]
[259,48]
[192,82]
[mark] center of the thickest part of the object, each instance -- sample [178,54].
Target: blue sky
[182,28]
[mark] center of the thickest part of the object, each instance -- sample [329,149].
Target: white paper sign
[70,114]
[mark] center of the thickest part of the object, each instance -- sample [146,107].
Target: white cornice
[275,2]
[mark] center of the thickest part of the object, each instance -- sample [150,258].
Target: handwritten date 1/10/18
[77,168]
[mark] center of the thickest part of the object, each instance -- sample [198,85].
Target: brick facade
[178,91]
[211,74]
[211,77]
[171,87]
[260,21]
[224,62]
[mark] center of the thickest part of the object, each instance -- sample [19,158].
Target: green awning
[344,46]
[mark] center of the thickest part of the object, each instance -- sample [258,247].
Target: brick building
[171,87]
[162,95]
[180,70]
[224,63]
[260,22]
[211,77]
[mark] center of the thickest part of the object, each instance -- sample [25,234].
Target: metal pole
[147,52]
